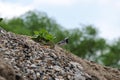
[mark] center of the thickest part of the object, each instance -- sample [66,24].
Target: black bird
[63,42]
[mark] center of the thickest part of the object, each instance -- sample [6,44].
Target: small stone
[53,55]
[50,67]
[75,64]
[7,53]
[79,76]
[45,78]
[6,59]
[58,79]
[33,66]
[57,68]
[38,75]
[69,77]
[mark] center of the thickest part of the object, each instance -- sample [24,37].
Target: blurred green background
[83,42]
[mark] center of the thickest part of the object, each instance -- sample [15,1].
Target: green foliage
[1,19]
[112,56]
[29,22]
[83,42]
[16,25]
[43,36]
[90,30]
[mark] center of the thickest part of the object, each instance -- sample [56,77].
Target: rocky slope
[23,59]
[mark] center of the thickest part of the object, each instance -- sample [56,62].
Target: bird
[63,42]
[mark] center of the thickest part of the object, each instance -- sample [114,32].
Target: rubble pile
[31,61]
[21,58]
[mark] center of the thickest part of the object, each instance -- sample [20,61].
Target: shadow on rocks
[7,72]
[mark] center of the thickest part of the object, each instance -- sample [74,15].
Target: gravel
[33,61]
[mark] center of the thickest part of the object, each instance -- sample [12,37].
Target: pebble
[33,66]
[57,68]
[38,75]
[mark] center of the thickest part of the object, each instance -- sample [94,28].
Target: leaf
[43,36]
[36,32]
[49,37]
